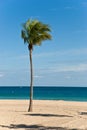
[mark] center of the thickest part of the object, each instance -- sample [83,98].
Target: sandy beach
[46,115]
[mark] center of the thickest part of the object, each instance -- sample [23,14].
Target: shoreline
[46,115]
[45,100]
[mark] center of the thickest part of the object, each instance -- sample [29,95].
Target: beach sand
[46,115]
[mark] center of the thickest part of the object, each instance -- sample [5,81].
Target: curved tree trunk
[30,109]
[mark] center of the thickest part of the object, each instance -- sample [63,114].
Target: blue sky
[60,62]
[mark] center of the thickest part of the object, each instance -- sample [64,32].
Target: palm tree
[33,33]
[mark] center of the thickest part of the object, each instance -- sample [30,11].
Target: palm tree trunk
[30,109]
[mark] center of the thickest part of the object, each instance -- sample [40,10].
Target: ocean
[45,93]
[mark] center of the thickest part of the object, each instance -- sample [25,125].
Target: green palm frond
[34,32]
[23,35]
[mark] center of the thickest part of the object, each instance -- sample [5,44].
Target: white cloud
[66,68]
[37,76]
[1,75]
[80,51]
[23,57]
[61,68]
[68,77]
[74,52]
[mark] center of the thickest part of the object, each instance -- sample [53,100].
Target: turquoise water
[45,93]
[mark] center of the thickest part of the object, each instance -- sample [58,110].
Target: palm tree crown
[34,32]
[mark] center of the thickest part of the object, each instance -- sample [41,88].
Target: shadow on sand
[83,113]
[47,115]
[33,127]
